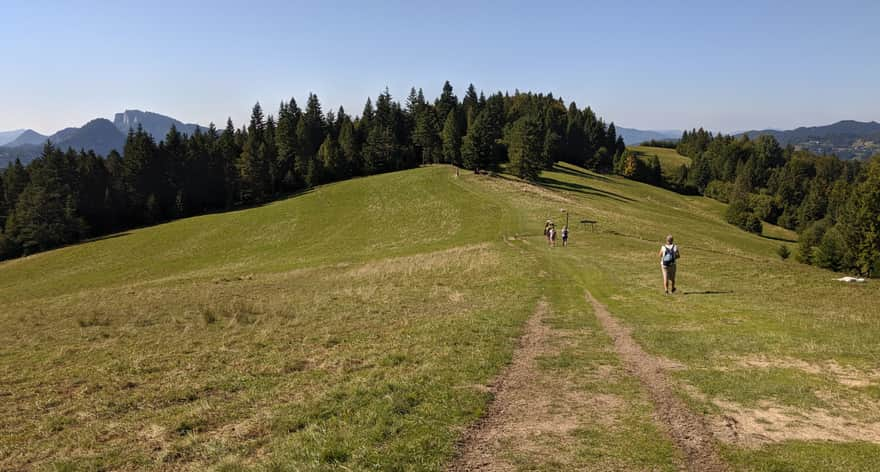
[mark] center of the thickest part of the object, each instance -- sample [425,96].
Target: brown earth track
[689,431]
[508,415]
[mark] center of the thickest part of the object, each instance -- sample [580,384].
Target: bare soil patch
[753,427]
[532,411]
[845,375]
[689,431]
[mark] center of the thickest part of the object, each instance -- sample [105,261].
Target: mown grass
[348,328]
[670,159]
[737,301]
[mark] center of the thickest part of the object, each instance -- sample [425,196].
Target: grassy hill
[357,327]
[670,160]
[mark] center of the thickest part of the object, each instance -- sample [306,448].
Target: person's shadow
[708,292]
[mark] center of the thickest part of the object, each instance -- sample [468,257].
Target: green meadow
[670,159]
[356,327]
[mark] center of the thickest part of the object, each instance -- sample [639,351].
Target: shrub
[753,224]
[741,215]
[783,252]
[765,207]
[831,251]
[809,239]
[719,190]
[209,316]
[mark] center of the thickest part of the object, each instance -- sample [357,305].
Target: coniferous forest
[833,204]
[67,195]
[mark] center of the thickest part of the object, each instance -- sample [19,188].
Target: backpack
[669,255]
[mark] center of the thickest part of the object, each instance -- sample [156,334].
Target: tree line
[833,204]
[67,195]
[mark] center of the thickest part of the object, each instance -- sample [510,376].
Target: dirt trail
[513,415]
[688,431]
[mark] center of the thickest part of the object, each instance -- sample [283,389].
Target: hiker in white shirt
[668,255]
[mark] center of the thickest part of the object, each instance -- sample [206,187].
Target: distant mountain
[845,139]
[63,135]
[29,136]
[25,152]
[153,123]
[634,137]
[9,136]
[100,135]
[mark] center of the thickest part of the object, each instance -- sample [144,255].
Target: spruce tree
[332,164]
[426,135]
[287,147]
[525,148]
[228,153]
[348,147]
[451,140]
[446,102]
[15,179]
[253,165]
[477,147]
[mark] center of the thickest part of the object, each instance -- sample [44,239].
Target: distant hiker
[668,255]
[552,236]
[564,236]
[547,226]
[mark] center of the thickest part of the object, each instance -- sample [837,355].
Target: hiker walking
[564,236]
[547,226]
[552,235]
[668,255]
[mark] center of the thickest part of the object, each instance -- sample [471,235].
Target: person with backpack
[668,255]
[552,236]
[564,236]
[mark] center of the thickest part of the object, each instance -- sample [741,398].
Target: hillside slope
[359,325]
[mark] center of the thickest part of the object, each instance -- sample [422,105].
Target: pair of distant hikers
[668,255]
[550,233]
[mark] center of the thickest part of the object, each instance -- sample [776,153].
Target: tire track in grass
[507,417]
[689,431]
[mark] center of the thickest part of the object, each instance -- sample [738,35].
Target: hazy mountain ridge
[153,123]
[100,135]
[633,137]
[28,136]
[846,139]
[9,136]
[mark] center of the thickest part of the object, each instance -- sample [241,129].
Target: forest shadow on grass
[580,173]
[774,238]
[579,188]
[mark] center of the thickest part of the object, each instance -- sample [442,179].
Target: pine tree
[477,147]
[287,146]
[45,212]
[574,140]
[349,148]
[426,135]
[253,165]
[525,148]
[332,165]
[228,152]
[446,102]
[15,179]
[313,118]
[143,172]
[451,140]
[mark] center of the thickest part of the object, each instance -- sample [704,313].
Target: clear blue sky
[723,65]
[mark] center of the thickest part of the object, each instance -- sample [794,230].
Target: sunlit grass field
[354,327]
[670,159]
